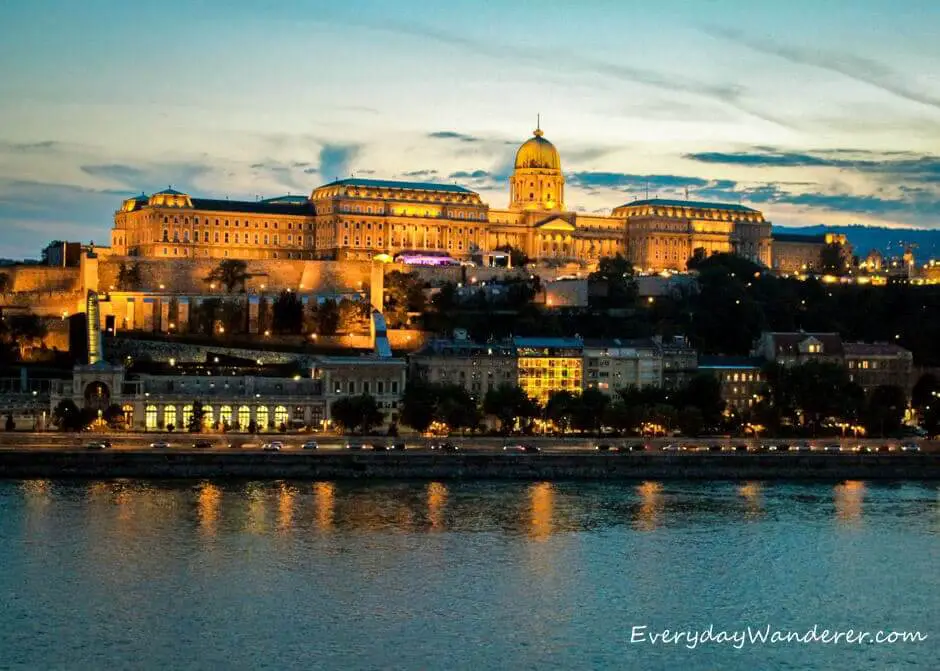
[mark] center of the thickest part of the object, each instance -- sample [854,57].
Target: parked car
[202,444]
[354,445]
[159,445]
[443,446]
[311,445]
[520,447]
[273,446]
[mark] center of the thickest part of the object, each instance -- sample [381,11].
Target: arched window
[244,417]
[150,418]
[225,415]
[128,410]
[185,236]
[169,416]
[208,416]
[187,416]
[280,416]
[261,417]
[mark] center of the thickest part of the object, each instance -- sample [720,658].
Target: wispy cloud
[854,67]
[149,177]
[453,135]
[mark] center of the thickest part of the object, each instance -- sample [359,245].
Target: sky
[814,112]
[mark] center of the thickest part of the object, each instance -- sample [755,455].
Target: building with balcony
[549,365]
[614,364]
[741,379]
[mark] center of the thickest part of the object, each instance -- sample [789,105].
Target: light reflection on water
[451,575]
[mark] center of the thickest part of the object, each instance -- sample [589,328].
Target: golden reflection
[649,513]
[325,494]
[542,502]
[437,497]
[753,498]
[207,505]
[36,492]
[285,506]
[122,499]
[256,510]
[848,498]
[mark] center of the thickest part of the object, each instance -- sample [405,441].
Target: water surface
[134,574]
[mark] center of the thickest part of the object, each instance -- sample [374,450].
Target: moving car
[520,447]
[398,446]
[603,447]
[832,448]
[379,447]
[273,446]
[672,447]
[97,445]
[353,445]
[443,446]
[159,444]
[803,447]
[311,445]
[202,444]
[910,447]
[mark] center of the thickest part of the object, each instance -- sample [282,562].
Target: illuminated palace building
[360,218]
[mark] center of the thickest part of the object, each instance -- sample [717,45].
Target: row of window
[225,223]
[235,417]
[365,387]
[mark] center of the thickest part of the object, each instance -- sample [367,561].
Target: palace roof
[253,206]
[698,204]
[393,184]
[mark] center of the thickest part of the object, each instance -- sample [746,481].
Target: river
[323,575]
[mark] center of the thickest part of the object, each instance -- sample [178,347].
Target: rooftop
[561,343]
[253,206]
[874,349]
[737,362]
[698,204]
[393,184]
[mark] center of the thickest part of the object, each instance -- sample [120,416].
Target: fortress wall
[188,275]
[42,279]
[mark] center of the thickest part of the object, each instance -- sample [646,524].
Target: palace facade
[361,218]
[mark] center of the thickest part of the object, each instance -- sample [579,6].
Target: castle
[358,219]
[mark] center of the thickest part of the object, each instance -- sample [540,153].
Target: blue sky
[815,112]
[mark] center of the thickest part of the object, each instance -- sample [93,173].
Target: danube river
[132,574]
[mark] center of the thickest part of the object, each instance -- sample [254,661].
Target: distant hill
[889,241]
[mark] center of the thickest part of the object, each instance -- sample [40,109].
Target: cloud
[576,63]
[336,160]
[854,67]
[893,165]
[463,174]
[421,174]
[453,135]
[149,178]
[626,181]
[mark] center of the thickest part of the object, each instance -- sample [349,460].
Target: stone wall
[186,276]
[26,463]
[45,279]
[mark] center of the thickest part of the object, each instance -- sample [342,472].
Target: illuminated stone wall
[42,278]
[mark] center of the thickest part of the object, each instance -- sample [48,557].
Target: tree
[884,411]
[114,416]
[703,392]
[616,273]
[230,273]
[287,313]
[5,284]
[418,405]
[10,424]
[446,298]
[561,409]
[325,317]
[404,293]
[357,413]
[507,402]
[198,418]
[456,408]
[832,258]
[590,410]
[690,420]
[698,256]
[231,315]
[128,278]
[353,316]
[69,417]
[25,332]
